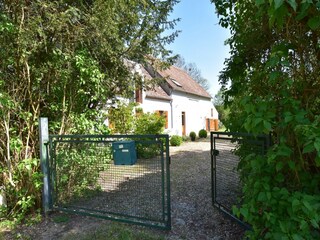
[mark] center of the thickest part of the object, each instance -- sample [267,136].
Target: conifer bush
[192,136]
[203,133]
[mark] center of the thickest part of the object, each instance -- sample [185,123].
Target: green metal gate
[118,177]
[226,184]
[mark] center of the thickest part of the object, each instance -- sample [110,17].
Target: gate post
[44,163]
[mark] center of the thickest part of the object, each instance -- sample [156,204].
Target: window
[176,82]
[165,115]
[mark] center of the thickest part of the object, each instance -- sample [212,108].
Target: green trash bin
[124,153]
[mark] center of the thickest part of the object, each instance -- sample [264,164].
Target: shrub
[121,118]
[148,123]
[193,136]
[175,140]
[79,175]
[203,133]
[184,138]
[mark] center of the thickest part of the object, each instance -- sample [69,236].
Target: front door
[183,117]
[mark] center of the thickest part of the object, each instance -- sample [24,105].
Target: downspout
[170,94]
[171,108]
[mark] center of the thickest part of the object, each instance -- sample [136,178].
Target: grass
[5,225]
[113,231]
[116,231]
[61,218]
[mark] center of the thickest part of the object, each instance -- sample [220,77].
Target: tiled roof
[157,92]
[145,73]
[179,80]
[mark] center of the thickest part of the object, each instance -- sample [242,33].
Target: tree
[273,72]
[193,71]
[122,118]
[221,107]
[63,59]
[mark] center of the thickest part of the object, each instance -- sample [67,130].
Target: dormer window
[176,82]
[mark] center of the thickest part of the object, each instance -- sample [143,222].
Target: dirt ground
[193,216]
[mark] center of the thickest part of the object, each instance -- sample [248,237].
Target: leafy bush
[281,191]
[193,136]
[148,123]
[175,140]
[185,138]
[77,169]
[25,195]
[121,118]
[203,133]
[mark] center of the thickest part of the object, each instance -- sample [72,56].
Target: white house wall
[197,110]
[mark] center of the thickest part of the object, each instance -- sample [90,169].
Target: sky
[201,40]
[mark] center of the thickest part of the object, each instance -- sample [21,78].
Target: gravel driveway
[193,216]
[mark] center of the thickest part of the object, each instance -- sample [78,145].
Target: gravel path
[193,216]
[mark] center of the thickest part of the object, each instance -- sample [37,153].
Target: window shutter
[166,116]
[163,114]
[138,94]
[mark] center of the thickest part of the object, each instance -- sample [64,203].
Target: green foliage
[203,133]
[273,85]
[122,118]
[192,135]
[61,218]
[77,176]
[221,105]
[63,60]
[25,194]
[148,123]
[89,122]
[223,115]
[117,231]
[185,138]
[175,140]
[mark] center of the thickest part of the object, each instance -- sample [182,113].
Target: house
[184,103]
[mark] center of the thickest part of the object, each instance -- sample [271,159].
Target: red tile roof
[180,81]
[158,93]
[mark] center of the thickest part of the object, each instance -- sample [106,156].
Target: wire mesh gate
[226,184]
[119,177]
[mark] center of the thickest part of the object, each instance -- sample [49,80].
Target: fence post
[44,163]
